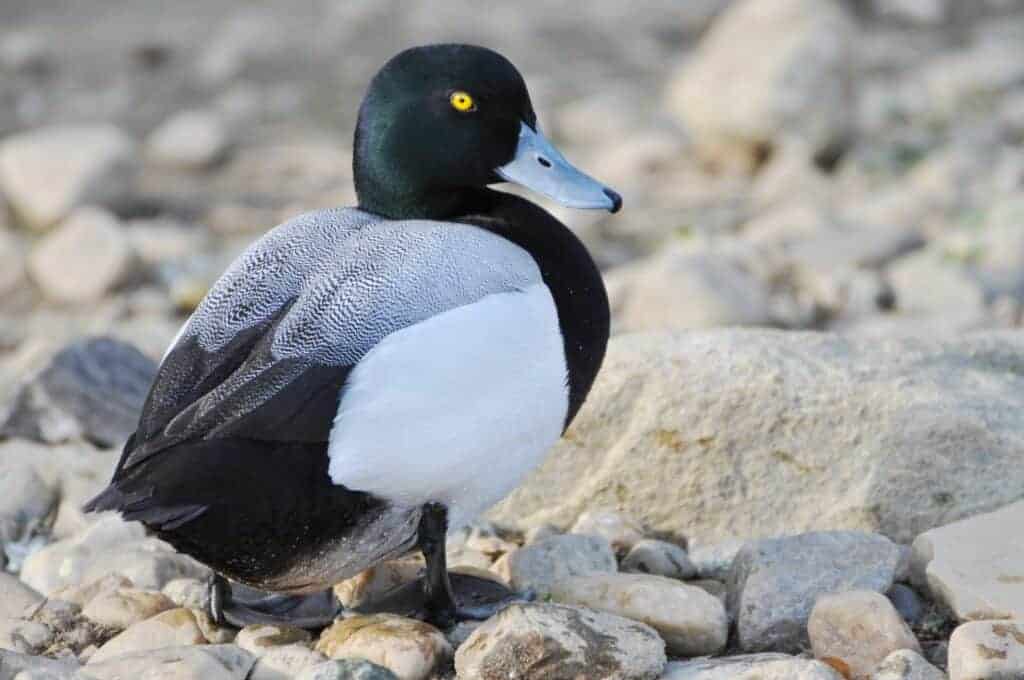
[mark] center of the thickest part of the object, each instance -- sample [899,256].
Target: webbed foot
[238,605]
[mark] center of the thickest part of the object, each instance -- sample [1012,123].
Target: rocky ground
[833,490]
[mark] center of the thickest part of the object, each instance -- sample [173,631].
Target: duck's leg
[240,606]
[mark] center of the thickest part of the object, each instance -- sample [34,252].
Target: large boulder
[731,433]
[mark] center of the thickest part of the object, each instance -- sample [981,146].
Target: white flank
[457,409]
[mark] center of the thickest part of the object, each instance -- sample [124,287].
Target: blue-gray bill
[540,167]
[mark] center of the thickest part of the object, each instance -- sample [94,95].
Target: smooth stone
[750,667]
[411,649]
[83,594]
[691,621]
[774,583]
[190,593]
[259,638]
[907,602]
[377,580]
[346,669]
[987,650]
[539,565]
[73,632]
[171,628]
[12,664]
[975,567]
[26,501]
[208,662]
[285,662]
[214,634]
[622,532]
[714,561]
[905,664]
[859,629]
[126,606]
[542,641]
[660,558]
[48,172]
[25,637]
[15,596]
[189,140]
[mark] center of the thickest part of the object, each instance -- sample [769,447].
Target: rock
[13,665]
[190,593]
[24,637]
[691,621]
[675,289]
[987,650]
[957,80]
[925,12]
[82,260]
[541,641]
[410,649]
[125,606]
[72,632]
[346,669]
[712,587]
[285,662]
[209,662]
[622,532]
[539,565]
[907,602]
[377,580]
[171,628]
[83,594]
[108,546]
[907,665]
[731,448]
[26,501]
[15,596]
[660,558]
[766,71]
[975,567]
[921,280]
[241,39]
[774,583]
[26,52]
[859,629]
[189,140]
[12,258]
[258,638]
[750,667]
[48,172]
[93,389]
[714,561]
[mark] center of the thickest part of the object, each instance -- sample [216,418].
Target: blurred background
[856,166]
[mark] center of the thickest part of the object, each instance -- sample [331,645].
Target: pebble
[774,583]
[411,649]
[542,641]
[371,583]
[905,664]
[209,662]
[82,594]
[539,565]
[48,172]
[346,669]
[260,638]
[907,602]
[691,621]
[714,561]
[190,593]
[987,650]
[975,567]
[660,558]
[15,596]
[858,629]
[125,606]
[750,667]
[285,662]
[621,531]
[82,260]
[25,637]
[26,501]
[171,628]
[14,665]
[189,140]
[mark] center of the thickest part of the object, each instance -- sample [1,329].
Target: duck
[361,380]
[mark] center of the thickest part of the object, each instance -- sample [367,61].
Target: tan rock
[907,665]
[691,621]
[83,594]
[171,628]
[377,580]
[860,629]
[259,638]
[285,662]
[987,650]
[209,662]
[621,531]
[410,649]
[125,606]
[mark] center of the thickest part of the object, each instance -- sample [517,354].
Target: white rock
[750,667]
[412,650]
[84,259]
[125,606]
[712,411]
[259,638]
[188,140]
[190,593]
[12,258]
[987,650]
[975,567]
[956,80]
[170,629]
[540,641]
[660,558]
[930,282]
[346,669]
[15,596]
[621,531]
[209,662]
[691,621]
[48,172]
[25,501]
[768,69]
[285,662]
[907,665]
[24,637]
[859,629]
[84,593]
[714,561]
[539,565]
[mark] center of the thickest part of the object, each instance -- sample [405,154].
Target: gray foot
[240,606]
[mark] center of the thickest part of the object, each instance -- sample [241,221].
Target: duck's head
[441,122]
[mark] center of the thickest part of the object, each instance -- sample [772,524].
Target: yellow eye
[462,101]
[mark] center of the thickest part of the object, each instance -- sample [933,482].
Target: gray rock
[25,637]
[774,583]
[27,502]
[547,641]
[285,662]
[955,80]
[538,565]
[13,663]
[207,662]
[768,70]
[82,260]
[905,434]
[189,140]
[92,389]
[930,283]
[750,667]
[621,531]
[975,567]
[12,258]
[987,650]
[660,558]
[907,602]
[15,596]
[714,561]
[907,665]
[48,172]
[72,633]
[346,669]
